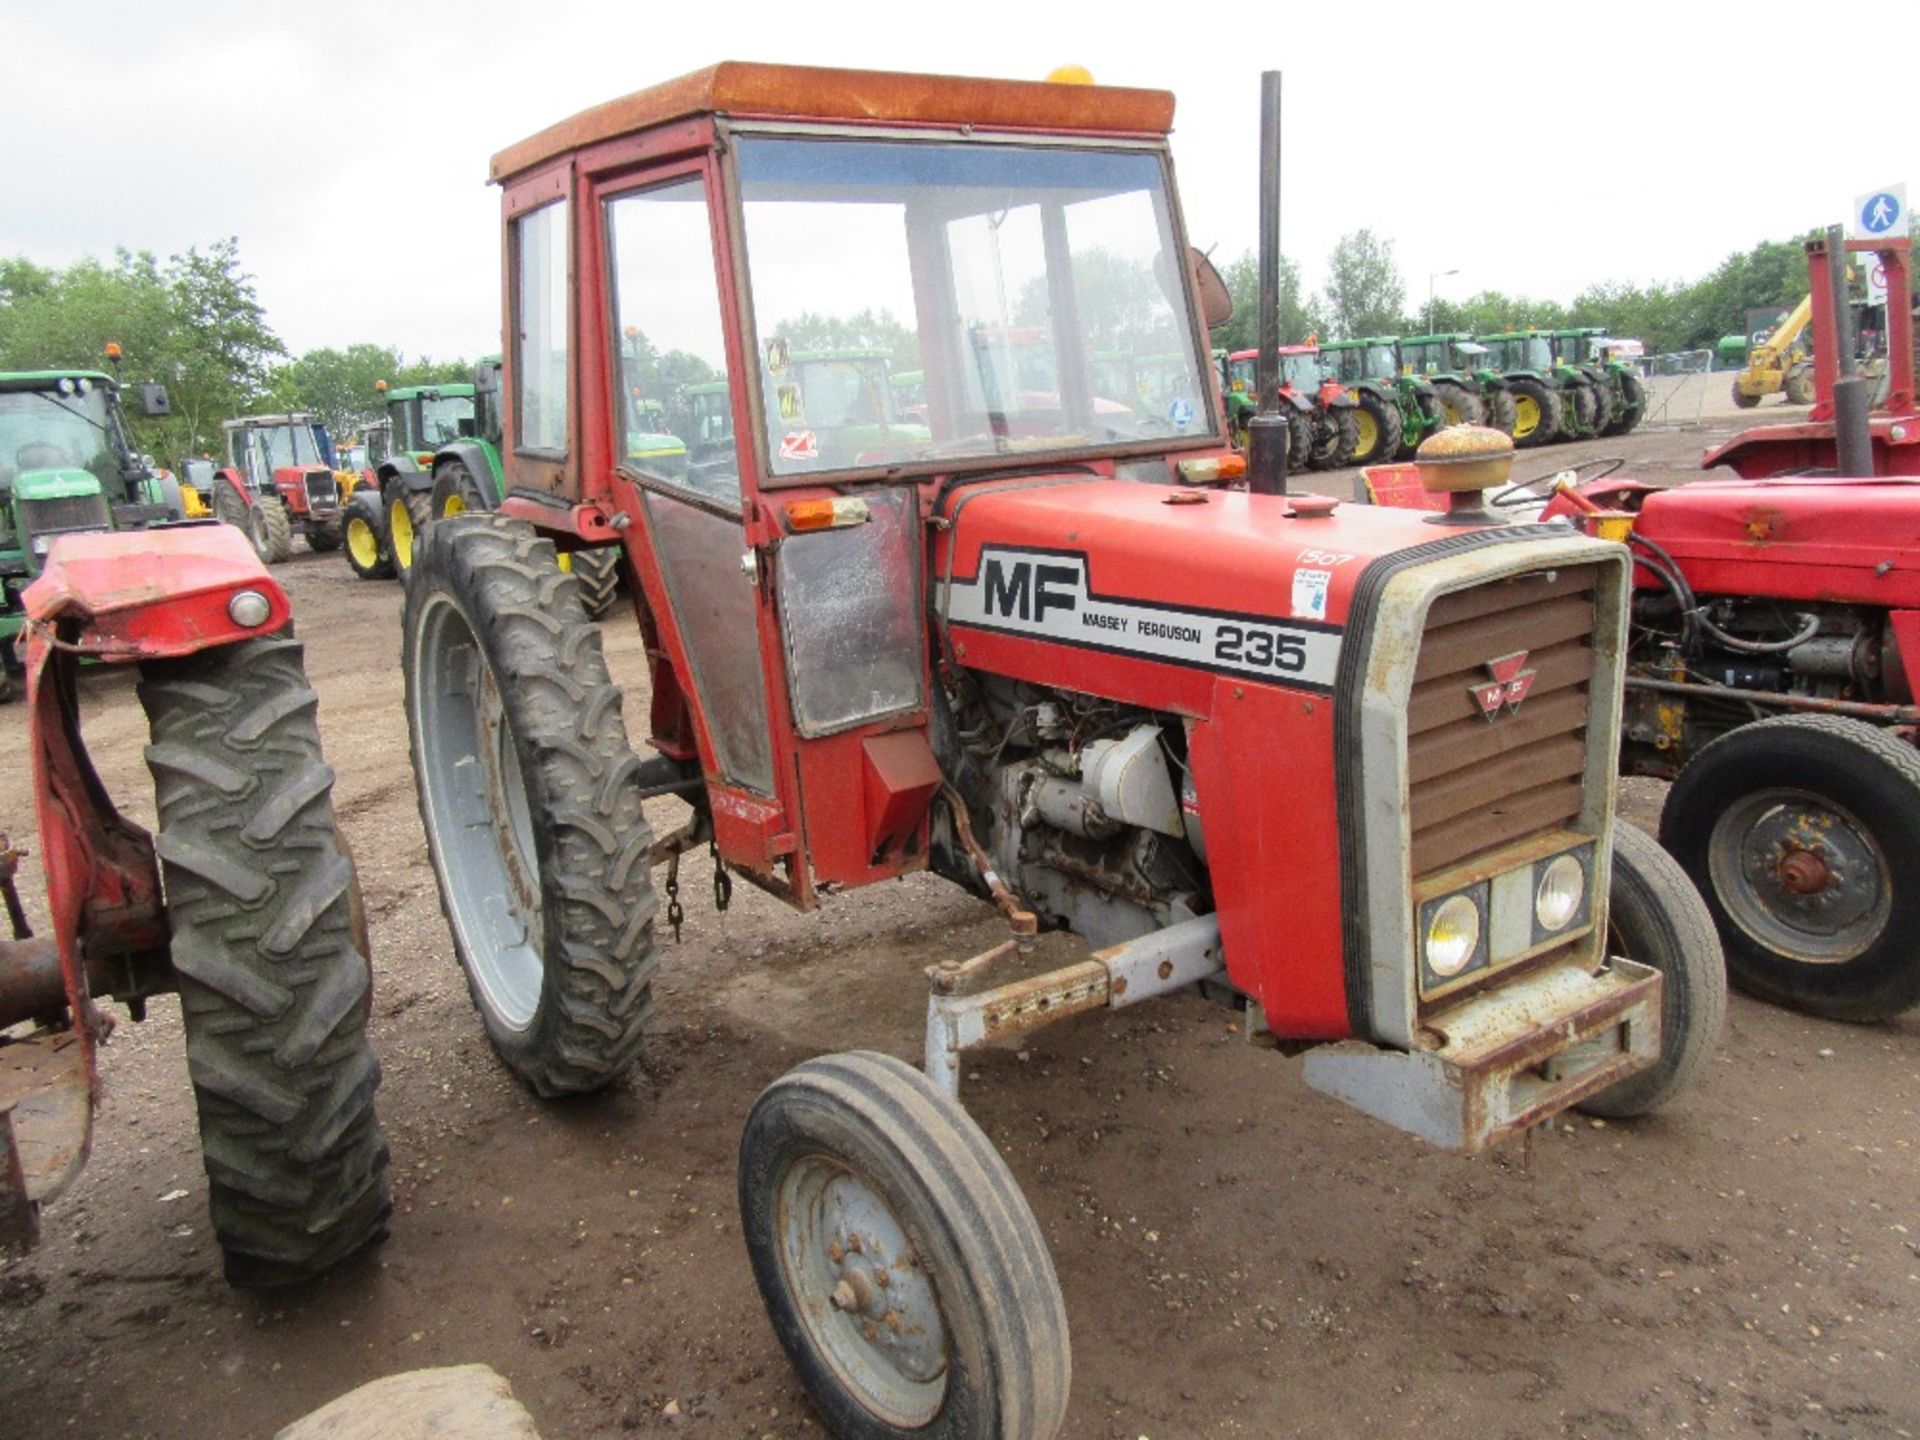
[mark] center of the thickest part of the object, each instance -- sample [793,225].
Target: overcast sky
[346,143]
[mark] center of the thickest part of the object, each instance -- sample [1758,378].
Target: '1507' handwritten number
[1263,649]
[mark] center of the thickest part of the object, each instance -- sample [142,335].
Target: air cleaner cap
[1464,457]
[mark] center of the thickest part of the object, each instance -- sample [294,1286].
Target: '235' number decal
[1261,648]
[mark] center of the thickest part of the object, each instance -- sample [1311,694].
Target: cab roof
[41,379]
[453,390]
[261,422]
[807,92]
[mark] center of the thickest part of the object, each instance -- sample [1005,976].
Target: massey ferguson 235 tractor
[1345,768]
[278,479]
[244,903]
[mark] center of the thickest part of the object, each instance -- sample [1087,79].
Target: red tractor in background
[244,902]
[278,480]
[1774,673]
[1346,772]
[1325,414]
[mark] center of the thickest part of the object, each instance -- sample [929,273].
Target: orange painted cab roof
[805,92]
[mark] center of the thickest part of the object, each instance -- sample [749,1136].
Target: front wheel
[1655,916]
[456,492]
[364,532]
[1803,833]
[1741,398]
[531,798]
[323,537]
[269,955]
[1335,438]
[1633,408]
[1376,430]
[1500,410]
[903,1271]
[1799,385]
[408,514]
[270,529]
[1457,404]
[1536,412]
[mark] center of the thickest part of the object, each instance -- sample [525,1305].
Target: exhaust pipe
[1267,430]
[1852,436]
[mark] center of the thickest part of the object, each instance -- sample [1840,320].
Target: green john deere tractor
[66,466]
[1397,409]
[1551,401]
[464,475]
[841,402]
[1598,356]
[421,419]
[1469,390]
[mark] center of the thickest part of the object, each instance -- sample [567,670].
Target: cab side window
[540,327]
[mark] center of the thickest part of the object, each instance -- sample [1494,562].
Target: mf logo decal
[1511,682]
[1045,594]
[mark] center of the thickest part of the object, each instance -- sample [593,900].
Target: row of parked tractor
[1362,402]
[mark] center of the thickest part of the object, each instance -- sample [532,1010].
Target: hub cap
[866,1300]
[1526,416]
[400,531]
[1368,431]
[361,544]
[476,804]
[1800,875]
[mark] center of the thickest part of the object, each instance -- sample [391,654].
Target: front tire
[456,492]
[1655,916]
[1633,395]
[409,512]
[1799,385]
[598,571]
[364,533]
[324,539]
[1803,834]
[1458,405]
[530,795]
[1498,405]
[903,1271]
[1376,430]
[1741,398]
[274,985]
[1335,438]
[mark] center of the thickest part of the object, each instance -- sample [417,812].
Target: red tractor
[279,480]
[1343,770]
[1324,414]
[1773,676]
[244,902]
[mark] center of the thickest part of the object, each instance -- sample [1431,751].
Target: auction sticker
[799,445]
[1310,594]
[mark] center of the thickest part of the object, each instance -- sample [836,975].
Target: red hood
[1853,540]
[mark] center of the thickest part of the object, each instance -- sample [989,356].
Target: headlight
[1556,899]
[1453,935]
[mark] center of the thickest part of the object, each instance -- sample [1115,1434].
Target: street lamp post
[1436,275]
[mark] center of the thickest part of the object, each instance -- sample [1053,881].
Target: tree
[1299,316]
[341,387]
[1365,294]
[868,330]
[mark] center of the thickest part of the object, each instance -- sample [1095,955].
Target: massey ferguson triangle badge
[1511,682]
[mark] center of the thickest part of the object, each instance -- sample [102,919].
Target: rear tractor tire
[1499,409]
[1655,916]
[274,982]
[1536,412]
[409,512]
[1803,834]
[1376,430]
[1335,438]
[531,798]
[364,532]
[903,1271]
[1458,405]
[456,492]
[598,571]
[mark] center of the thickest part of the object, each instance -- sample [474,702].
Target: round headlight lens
[249,608]
[1556,900]
[1453,934]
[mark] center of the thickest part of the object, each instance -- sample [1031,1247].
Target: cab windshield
[289,445]
[47,430]
[440,418]
[1022,282]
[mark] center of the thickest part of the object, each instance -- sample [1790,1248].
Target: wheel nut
[882,1278]
[844,1297]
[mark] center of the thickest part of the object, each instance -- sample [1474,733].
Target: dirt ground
[1240,1256]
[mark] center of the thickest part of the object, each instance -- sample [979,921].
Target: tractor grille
[322,488]
[1476,783]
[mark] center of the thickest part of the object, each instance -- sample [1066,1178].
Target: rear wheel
[1376,429]
[1335,438]
[1741,398]
[456,492]
[531,799]
[408,514]
[1499,408]
[1458,405]
[1655,916]
[269,529]
[1633,408]
[1579,411]
[274,993]
[324,538]
[598,571]
[1799,383]
[1803,833]
[365,536]
[1536,412]
[1604,406]
[1303,434]
[903,1270]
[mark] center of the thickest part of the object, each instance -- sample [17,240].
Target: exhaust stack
[1267,430]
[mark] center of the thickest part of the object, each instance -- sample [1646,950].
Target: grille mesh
[1476,784]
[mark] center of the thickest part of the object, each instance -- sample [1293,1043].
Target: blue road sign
[1880,212]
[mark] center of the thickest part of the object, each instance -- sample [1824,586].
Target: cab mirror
[486,380]
[153,400]
[1216,301]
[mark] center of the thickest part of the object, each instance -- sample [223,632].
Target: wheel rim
[453,505]
[400,530]
[1800,875]
[1449,413]
[257,527]
[865,1298]
[362,544]
[1526,416]
[476,804]
[1367,433]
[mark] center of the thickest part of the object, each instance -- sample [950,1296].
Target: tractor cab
[425,417]
[1528,352]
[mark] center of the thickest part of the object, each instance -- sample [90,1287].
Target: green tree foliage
[192,322]
[1365,294]
[1300,315]
[340,386]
